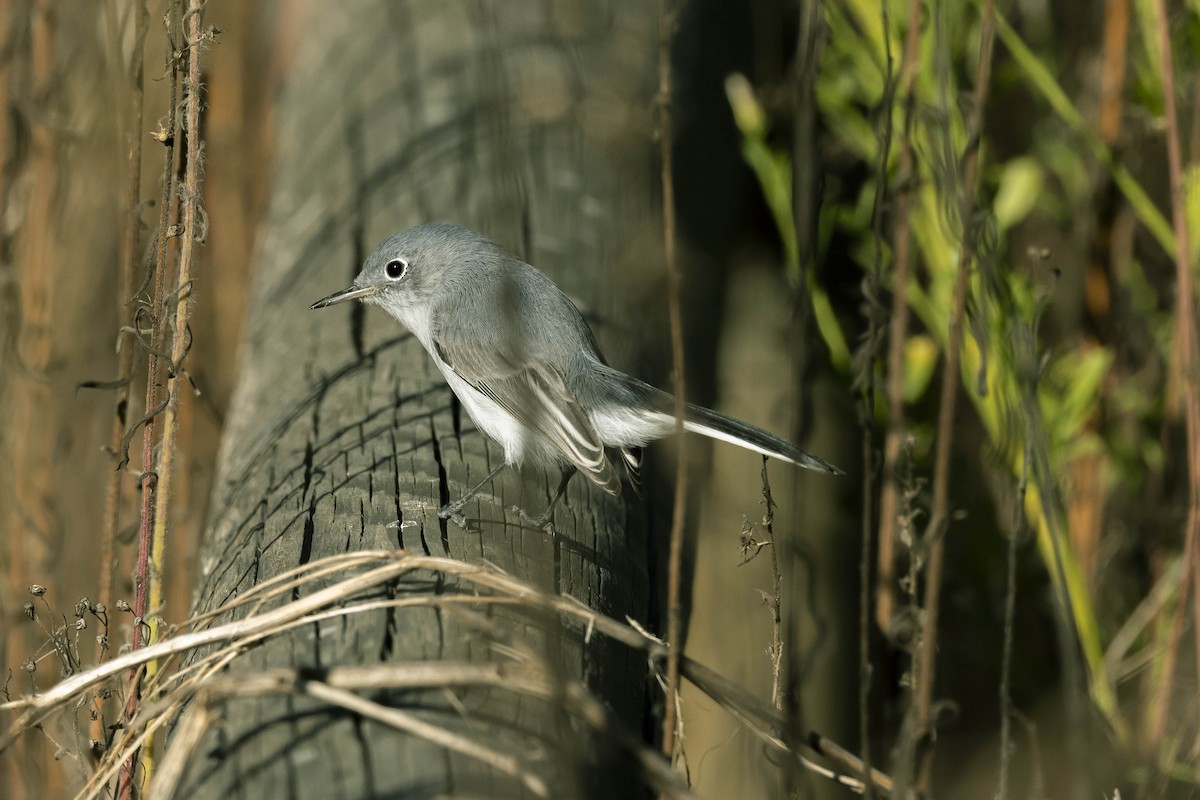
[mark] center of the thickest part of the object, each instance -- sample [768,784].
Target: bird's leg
[567,473]
[453,511]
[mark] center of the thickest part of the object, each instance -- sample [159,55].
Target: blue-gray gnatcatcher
[525,365]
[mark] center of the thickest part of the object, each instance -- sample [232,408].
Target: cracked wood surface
[528,121]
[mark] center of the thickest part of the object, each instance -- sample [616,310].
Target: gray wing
[536,393]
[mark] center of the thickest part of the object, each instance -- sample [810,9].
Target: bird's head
[409,267]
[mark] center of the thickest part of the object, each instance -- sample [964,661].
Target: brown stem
[1112,70]
[775,604]
[870,355]
[885,601]
[149,479]
[806,197]
[1017,529]
[666,20]
[1187,366]
[191,233]
[125,303]
[939,515]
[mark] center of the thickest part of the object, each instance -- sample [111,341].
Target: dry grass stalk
[204,682]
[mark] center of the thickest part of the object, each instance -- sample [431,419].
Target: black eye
[396,268]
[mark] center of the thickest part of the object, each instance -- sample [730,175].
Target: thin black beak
[353,293]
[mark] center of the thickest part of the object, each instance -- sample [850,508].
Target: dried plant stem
[1187,367]
[403,720]
[189,210]
[1010,613]
[161,265]
[885,599]
[191,233]
[257,624]
[775,602]
[807,188]
[666,22]
[126,744]
[872,287]
[186,736]
[208,678]
[1112,70]
[940,511]
[148,478]
[129,260]
[129,255]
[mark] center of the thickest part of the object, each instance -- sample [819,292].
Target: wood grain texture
[528,121]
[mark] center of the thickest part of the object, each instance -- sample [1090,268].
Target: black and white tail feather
[649,414]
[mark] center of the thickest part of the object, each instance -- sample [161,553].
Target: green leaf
[1020,187]
[920,360]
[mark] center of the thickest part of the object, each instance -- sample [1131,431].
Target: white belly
[521,445]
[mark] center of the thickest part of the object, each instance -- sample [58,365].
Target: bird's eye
[396,268]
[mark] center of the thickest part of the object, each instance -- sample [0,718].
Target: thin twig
[158,332]
[666,22]
[895,508]
[529,676]
[404,721]
[940,515]
[1164,591]
[190,235]
[765,723]
[185,738]
[1010,609]
[885,600]
[1187,367]
[535,675]
[190,212]
[775,602]
[806,204]
[130,258]
[259,624]
[376,568]
[126,747]
[1112,70]
[146,526]
[867,356]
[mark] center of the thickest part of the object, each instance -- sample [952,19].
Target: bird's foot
[453,513]
[545,520]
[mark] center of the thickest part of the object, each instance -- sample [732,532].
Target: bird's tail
[643,413]
[714,425]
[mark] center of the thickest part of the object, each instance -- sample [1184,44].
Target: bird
[526,367]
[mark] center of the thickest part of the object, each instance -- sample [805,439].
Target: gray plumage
[523,362]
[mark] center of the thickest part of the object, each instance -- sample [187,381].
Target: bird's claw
[544,521]
[453,513]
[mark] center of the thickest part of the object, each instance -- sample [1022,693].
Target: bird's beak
[353,293]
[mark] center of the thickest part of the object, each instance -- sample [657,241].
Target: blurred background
[822,159]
